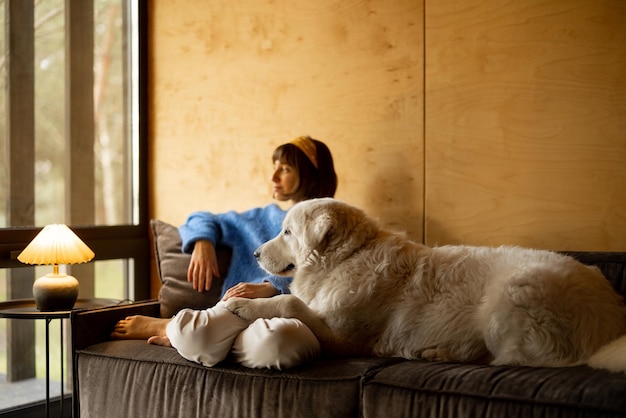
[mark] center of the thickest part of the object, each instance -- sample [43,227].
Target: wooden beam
[21,143]
[80,127]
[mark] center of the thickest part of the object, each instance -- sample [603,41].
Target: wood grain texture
[524,105]
[525,123]
[231,80]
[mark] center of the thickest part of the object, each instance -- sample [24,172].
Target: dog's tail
[611,356]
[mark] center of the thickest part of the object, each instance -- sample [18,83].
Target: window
[73,151]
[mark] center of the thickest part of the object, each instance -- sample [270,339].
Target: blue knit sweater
[242,232]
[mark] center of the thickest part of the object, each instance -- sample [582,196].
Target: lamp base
[55,292]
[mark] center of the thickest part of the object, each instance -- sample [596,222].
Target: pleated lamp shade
[56,244]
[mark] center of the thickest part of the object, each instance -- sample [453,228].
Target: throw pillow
[176,292]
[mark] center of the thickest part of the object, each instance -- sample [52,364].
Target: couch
[135,379]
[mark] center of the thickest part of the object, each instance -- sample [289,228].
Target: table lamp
[55,244]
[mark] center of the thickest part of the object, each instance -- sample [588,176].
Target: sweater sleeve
[243,233]
[199,225]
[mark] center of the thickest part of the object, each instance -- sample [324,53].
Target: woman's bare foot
[139,327]
[156,340]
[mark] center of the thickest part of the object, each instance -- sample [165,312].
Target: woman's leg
[139,327]
[278,343]
[207,336]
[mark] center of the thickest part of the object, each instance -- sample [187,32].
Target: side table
[26,309]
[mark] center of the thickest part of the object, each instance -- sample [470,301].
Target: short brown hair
[314,182]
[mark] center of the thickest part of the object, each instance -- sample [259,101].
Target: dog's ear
[318,230]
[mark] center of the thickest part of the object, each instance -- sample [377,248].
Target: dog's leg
[289,306]
[282,306]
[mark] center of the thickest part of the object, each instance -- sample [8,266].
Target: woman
[303,169]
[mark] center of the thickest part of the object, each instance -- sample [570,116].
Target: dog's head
[312,229]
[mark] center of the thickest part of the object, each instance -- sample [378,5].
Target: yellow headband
[307,146]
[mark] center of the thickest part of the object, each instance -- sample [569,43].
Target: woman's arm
[251,291]
[271,286]
[202,266]
[199,226]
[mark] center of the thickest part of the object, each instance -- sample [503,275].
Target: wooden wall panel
[232,79]
[524,104]
[526,123]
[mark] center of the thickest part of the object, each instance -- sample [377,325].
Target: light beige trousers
[207,336]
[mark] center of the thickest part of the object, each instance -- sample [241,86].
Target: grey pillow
[176,292]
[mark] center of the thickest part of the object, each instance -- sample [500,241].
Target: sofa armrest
[95,325]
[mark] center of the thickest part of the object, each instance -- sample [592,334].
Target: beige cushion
[176,292]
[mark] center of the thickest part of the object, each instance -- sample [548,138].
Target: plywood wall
[479,121]
[233,79]
[526,123]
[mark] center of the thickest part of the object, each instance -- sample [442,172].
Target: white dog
[363,290]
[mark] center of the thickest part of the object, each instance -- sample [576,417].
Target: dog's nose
[257,254]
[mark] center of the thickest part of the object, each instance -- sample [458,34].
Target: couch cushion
[419,388]
[176,292]
[133,378]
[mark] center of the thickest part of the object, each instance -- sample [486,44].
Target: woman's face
[286,181]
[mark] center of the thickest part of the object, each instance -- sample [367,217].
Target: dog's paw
[242,307]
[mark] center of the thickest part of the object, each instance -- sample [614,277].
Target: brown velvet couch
[134,379]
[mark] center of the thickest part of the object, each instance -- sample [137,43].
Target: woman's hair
[314,182]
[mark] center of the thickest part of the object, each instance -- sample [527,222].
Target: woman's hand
[203,266]
[251,291]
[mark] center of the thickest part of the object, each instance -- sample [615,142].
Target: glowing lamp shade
[54,245]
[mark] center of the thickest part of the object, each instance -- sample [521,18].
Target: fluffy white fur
[363,290]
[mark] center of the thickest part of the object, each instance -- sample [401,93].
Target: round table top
[26,308]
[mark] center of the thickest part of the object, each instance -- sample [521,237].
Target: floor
[26,392]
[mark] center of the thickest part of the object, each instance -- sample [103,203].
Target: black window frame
[116,241]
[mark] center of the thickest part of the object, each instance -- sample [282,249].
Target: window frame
[115,241]
[110,242]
